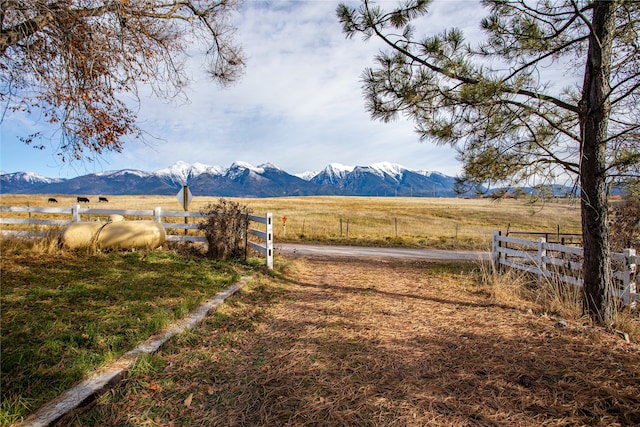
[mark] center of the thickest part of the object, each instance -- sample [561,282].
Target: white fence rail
[564,263]
[264,246]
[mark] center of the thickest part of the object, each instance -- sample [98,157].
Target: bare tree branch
[74,61]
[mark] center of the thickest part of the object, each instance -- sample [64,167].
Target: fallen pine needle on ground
[378,343]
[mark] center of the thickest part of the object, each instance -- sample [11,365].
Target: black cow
[52,200]
[82,200]
[103,199]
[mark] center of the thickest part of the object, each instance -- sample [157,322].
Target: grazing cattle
[82,200]
[52,200]
[103,199]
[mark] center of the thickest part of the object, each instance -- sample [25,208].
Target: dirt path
[385,343]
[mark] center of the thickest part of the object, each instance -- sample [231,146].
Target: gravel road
[369,252]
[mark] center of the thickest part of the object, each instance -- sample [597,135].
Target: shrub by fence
[264,234]
[564,263]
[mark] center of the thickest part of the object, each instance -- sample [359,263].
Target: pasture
[376,221]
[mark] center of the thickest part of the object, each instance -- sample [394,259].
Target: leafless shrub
[624,225]
[225,227]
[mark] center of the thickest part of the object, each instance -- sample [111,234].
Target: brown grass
[527,291]
[379,343]
[393,221]
[550,297]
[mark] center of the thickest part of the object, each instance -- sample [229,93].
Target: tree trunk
[594,117]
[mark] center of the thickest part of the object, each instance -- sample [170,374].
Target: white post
[157,214]
[75,213]
[628,273]
[495,255]
[542,253]
[269,242]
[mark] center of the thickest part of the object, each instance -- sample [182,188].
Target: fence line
[564,263]
[560,237]
[265,247]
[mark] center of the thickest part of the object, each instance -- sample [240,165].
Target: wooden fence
[564,263]
[264,246]
[569,239]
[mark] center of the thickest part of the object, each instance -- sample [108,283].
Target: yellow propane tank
[115,218]
[79,235]
[117,234]
[132,235]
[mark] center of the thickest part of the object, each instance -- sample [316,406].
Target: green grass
[65,314]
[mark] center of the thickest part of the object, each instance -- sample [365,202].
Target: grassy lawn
[66,313]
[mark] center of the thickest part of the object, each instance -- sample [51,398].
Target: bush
[225,226]
[624,225]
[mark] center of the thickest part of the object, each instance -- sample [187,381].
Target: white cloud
[299,105]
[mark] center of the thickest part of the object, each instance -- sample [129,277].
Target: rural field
[383,221]
[318,341]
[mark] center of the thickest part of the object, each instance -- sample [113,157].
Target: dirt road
[379,252]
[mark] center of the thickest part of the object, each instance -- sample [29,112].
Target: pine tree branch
[468,80]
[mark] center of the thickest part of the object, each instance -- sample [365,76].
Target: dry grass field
[393,221]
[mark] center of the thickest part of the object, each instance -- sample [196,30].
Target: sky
[298,106]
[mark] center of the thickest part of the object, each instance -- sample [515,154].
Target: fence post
[157,214]
[495,254]
[75,213]
[628,273]
[542,253]
[246,233]
[269,242]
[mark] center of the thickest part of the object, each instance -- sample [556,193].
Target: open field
[382,221]
[379,343]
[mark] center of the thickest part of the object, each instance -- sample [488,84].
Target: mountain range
[241,180]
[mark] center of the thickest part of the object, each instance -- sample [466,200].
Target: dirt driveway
[347,342]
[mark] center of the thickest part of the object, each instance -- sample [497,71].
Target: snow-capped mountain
[20,181]
[331,175]
[389,169]
[241,179]
[181,172]
[384,179]
[239,169]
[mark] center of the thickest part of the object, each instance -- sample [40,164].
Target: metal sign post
[184,197]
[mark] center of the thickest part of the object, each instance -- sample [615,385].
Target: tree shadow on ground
[318,350]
